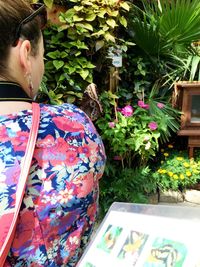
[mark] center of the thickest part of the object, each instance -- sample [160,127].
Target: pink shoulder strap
[9,220]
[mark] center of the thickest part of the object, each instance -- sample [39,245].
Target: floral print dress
[60,203]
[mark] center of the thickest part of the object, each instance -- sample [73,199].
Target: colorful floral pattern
[60,203]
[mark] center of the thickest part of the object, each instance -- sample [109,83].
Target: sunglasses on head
[39,12]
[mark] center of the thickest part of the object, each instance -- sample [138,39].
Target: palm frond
[170,116]
[165,25]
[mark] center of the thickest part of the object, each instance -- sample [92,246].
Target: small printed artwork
[166,253]
[133,246]
[109,238]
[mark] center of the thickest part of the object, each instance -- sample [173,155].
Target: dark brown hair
[12,12]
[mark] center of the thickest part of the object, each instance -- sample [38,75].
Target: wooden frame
[184,93]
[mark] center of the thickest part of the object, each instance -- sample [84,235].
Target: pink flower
[127,111]
[153,125]
[141,104]
[160,105]
[111,124]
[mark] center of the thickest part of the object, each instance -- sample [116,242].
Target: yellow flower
[170,146]
[185,164]
[179,158]
[164,171]
[170,174]
[182,176]
[159,170]
[166,154]
[162,150]
[175,176]
[162,162]
[188,173]
[196,171]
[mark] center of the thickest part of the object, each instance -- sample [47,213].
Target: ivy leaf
[85,26]
[115,13]
[102,13]
[63,27]
[78,8]
[63,54]
[125,6]
[49,66]
[111,23]
[54,55]
[90,65]
[123,21]
[58,64]
[77,18]
[78,53]
[105,27]
[71,99]
[90,17]
[69,15]
[101,32]
[109,37]
[99,45]
[84,73]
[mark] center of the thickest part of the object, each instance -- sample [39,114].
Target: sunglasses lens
[39,12]
[42,15]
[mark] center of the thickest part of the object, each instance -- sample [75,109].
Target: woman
[60,202]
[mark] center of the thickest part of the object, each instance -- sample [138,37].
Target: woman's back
[60,202]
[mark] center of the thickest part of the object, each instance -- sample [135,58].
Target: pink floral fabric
[61,199]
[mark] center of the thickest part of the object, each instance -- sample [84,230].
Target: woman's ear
[24,55]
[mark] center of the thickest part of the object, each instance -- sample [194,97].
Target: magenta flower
[141,104]
[160,105]
[127,111]
[153,125]
[111,124]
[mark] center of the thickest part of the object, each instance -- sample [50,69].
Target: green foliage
[170,116]
[175,170]
[172,25]
[192,65]
[72,48]
[126,185]
[137,137]
[67,68]
[94,19]
[164,32]
[133,132]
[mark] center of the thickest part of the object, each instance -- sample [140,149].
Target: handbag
[8,220]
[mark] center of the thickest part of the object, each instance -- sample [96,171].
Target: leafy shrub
[176,171]
[78,46]
[133,131]
[125,185]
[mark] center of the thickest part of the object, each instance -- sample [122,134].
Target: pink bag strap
[10,220]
